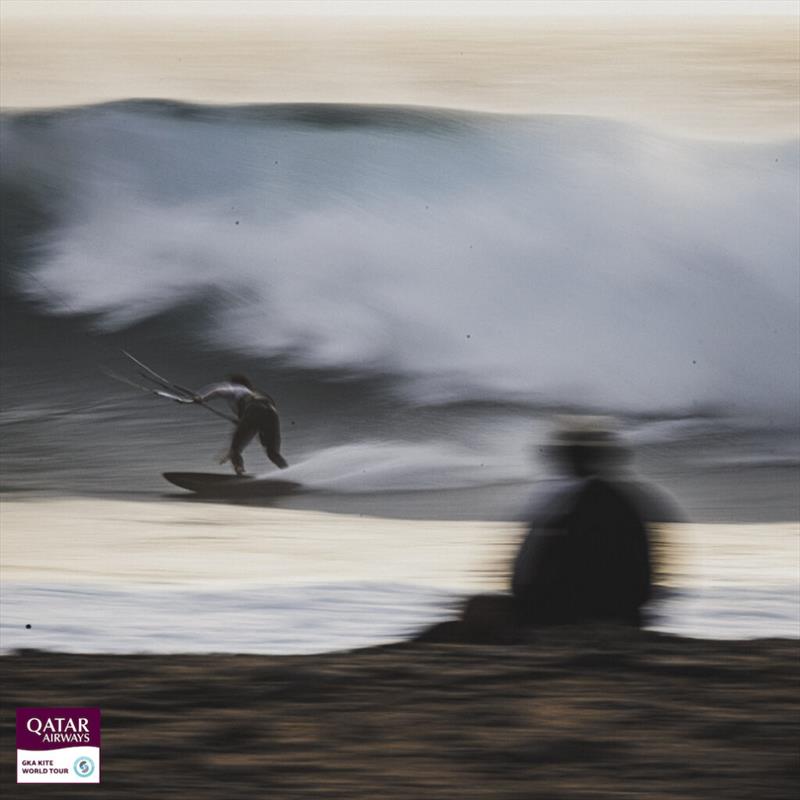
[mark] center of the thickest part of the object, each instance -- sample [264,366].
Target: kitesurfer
[255,413]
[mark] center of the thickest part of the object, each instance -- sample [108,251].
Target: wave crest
[473,256]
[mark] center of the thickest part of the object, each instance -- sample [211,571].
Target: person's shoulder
[655,503]
[607,492]
[263,397]
[551,499]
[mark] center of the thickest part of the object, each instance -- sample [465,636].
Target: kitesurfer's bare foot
[277,459]
[236,461]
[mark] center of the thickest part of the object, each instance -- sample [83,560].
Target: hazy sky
[716,68]
[452,8]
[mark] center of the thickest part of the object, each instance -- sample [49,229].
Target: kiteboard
[209,484]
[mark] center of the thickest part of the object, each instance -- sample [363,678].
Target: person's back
[608,547]
[587,555]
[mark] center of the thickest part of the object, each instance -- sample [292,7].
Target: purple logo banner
[55,728]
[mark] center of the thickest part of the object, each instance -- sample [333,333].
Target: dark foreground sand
[576,714]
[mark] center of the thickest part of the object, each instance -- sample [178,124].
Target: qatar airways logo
[58,745]
[60,729]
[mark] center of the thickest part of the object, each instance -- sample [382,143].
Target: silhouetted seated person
[586,556]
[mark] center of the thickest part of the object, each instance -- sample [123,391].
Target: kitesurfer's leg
[269,433]
[237,461]
[241,438]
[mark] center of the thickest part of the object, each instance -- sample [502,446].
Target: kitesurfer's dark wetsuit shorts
[258,417]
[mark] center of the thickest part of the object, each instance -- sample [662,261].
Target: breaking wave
[474,257]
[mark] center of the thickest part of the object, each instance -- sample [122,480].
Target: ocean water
[281,620]
[423,291]
[113,575]
[267,619]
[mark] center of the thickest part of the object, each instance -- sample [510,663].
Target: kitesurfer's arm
[226,391]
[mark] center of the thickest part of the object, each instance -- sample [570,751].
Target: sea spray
[471,256]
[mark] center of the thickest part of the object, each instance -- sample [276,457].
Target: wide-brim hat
[595,436]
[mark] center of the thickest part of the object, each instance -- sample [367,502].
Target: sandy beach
[574,714]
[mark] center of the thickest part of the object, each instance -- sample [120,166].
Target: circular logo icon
[83,767]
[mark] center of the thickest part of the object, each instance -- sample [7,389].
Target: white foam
[557,258]
[393,465]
